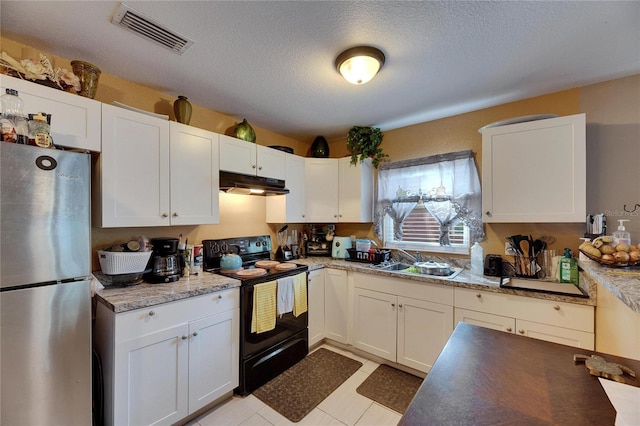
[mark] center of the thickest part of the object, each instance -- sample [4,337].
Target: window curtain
[447,184]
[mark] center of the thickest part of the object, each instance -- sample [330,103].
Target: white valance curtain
[447,184]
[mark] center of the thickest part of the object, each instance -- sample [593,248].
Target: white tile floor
[343,407]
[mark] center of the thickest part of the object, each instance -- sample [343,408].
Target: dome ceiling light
[360,64]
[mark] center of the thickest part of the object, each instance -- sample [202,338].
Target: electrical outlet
[508,250]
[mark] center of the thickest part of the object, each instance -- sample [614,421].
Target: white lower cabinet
[163,363]
[558,322]
[316,306]
[401,321]
[336,305]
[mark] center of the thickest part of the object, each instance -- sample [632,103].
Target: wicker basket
[116,263]
[610,263]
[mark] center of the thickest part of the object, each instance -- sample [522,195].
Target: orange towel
[299,294]
[264,307]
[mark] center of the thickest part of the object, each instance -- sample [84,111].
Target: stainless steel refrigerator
[45,299]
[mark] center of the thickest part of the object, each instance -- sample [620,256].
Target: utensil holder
[526,266]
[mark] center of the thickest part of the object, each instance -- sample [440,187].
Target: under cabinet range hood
[234,183]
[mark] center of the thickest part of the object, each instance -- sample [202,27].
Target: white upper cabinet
[133,170]
[535,171]
[338,191]
[289,208]
[75,120]
[321,177]
[153,172]
[248,158]
[355,194]
[194,176]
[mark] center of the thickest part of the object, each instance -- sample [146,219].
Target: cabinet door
[289,208]
[423,330]
[336,309]
[316,306]
[271,162]
[374,323]
[550,333]
[535,171]
[75,120]
[213,357]
[495,322]
[134,169]
[322,189]
[237,156]
[194,176]
[355,195]
[151,374]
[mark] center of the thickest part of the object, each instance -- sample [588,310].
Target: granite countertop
[465,279]
[624,283]
[123,299]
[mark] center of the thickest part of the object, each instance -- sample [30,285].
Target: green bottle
[568,268]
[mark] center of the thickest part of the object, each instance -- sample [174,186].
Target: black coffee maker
[164,262]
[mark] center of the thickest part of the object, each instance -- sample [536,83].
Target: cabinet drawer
[409,288]
[149,320]
[561,314]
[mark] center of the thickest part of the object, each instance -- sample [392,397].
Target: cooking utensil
[433,268]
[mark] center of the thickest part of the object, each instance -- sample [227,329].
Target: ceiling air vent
[145,27]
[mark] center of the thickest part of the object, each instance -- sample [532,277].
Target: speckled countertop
[123,299]
[624,283]
[465,279]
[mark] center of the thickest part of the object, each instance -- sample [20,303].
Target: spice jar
[13,124]
[40,130]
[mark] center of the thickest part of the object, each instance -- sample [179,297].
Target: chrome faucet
[415,258]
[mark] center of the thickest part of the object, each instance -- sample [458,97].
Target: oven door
[286,326]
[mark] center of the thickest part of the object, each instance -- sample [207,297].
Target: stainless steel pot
[433,268]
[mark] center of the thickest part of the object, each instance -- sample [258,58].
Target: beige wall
[613,120]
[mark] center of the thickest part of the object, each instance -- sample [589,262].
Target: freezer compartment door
[45,215]
[45,361]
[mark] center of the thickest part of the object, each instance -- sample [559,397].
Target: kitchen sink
[409,269]
[396,267]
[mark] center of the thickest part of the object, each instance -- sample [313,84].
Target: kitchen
[611,109]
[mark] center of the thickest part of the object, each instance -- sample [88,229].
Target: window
[443,219]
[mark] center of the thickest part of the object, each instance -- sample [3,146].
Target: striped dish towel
[264,307]
[300,294]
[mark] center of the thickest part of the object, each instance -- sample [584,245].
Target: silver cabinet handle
[556,307]
[260,168]
[184,337]
[195,333]
[488,213]
[219,296]
[164,215]
[335,215]
[400,305]
[393,305]
[253,166]
[521,331]
[151,313]
[509,329]
[479,296]
[175,214]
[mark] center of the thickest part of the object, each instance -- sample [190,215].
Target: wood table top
[488,377]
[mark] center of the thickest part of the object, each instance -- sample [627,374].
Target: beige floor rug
[302,387]
[390,387]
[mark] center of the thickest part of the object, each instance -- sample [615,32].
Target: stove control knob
[216,247]
[224,247]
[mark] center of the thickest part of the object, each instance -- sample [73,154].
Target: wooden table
[488,377]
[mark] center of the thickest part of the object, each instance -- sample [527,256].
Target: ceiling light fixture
[360,64]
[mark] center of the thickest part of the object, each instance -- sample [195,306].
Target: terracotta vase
[182,109]
[320,147]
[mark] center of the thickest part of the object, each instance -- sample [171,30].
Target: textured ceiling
[273,61]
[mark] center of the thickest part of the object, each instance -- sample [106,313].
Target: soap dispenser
[621,236]
[568,268]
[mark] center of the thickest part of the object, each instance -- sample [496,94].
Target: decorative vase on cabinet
[182,109]
[320,147]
